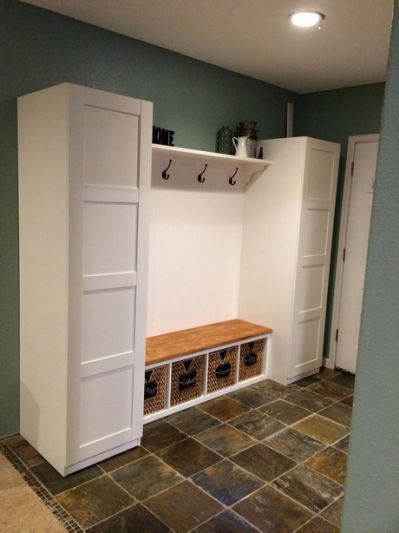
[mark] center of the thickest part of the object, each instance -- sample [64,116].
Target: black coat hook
[232,181]
[201,178]
[164,172]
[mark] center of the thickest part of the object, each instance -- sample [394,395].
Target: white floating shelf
[188,163]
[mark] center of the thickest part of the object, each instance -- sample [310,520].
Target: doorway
[352,250]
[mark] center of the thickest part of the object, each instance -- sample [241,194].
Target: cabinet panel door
[110,162]
[317,217]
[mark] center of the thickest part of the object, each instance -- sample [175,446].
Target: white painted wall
[194,264]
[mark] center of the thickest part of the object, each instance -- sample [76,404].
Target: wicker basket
[251,359]
[155,390]
[222,369]
[187,380]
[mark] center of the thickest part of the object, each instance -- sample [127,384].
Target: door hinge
[352,168]
[336,335]
[344,254]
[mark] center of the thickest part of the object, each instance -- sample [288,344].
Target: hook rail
[201,178]
[232,181]
[164,174]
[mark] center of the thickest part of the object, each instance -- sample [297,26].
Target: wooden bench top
[180,343]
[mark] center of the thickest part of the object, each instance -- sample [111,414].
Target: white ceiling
[254,37]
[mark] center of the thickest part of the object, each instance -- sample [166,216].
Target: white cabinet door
[110,178]
[356,244]
[313,262]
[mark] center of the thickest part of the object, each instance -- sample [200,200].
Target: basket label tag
[223,370]
[250,359]
[187,380]
[150,389]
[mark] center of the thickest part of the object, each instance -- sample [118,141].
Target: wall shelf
[183,166]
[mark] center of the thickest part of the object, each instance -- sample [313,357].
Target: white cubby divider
[205,396]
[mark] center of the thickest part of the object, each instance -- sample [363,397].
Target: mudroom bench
[188,367]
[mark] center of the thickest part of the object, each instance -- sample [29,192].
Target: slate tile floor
[266,458]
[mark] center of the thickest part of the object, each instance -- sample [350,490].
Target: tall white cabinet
[84,179]
[286,247]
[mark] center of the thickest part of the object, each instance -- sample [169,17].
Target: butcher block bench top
[186,341]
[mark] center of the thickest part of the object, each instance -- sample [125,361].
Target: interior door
[355,255]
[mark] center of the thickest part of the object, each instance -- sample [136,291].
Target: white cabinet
[286,246]
[84,178]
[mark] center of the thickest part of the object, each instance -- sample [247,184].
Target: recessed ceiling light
[306,19]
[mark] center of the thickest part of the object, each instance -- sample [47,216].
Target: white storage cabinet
[286,246]
[84,178]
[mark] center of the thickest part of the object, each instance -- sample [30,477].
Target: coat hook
[164,174]
[232,181]
[201,178]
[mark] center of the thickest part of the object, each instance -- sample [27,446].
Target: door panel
[109,260]
[356,244]
[314,256]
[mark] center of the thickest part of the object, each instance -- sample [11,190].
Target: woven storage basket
[251,359]
[222,369]
[155,390]
[187,380]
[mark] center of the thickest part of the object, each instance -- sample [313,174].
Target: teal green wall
[334,116]
[372,496]
[38,49]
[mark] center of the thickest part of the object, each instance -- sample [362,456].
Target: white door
[109,215]
[317,219]
[362,175]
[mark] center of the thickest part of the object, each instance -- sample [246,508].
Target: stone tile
[264,462]
[310,380]
[338,412]
[226,522]
[122,459]
[343,444]
[159,435]
[327,373]
[146,477]
[321,429]
[136,518]
[348,401]
[309,488]
[189,457]
[330,390]
[183,507]
[252,397]
[257,425]
[345,380]
[295,445]
[55,483]
[285,411]
[308,399]
[318,525]
[224,408]
[275,389]
[192,421]
[226,482]
[330,463]
[94,501]
[270,511]
[225,440]
[333,513]
[26,452]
